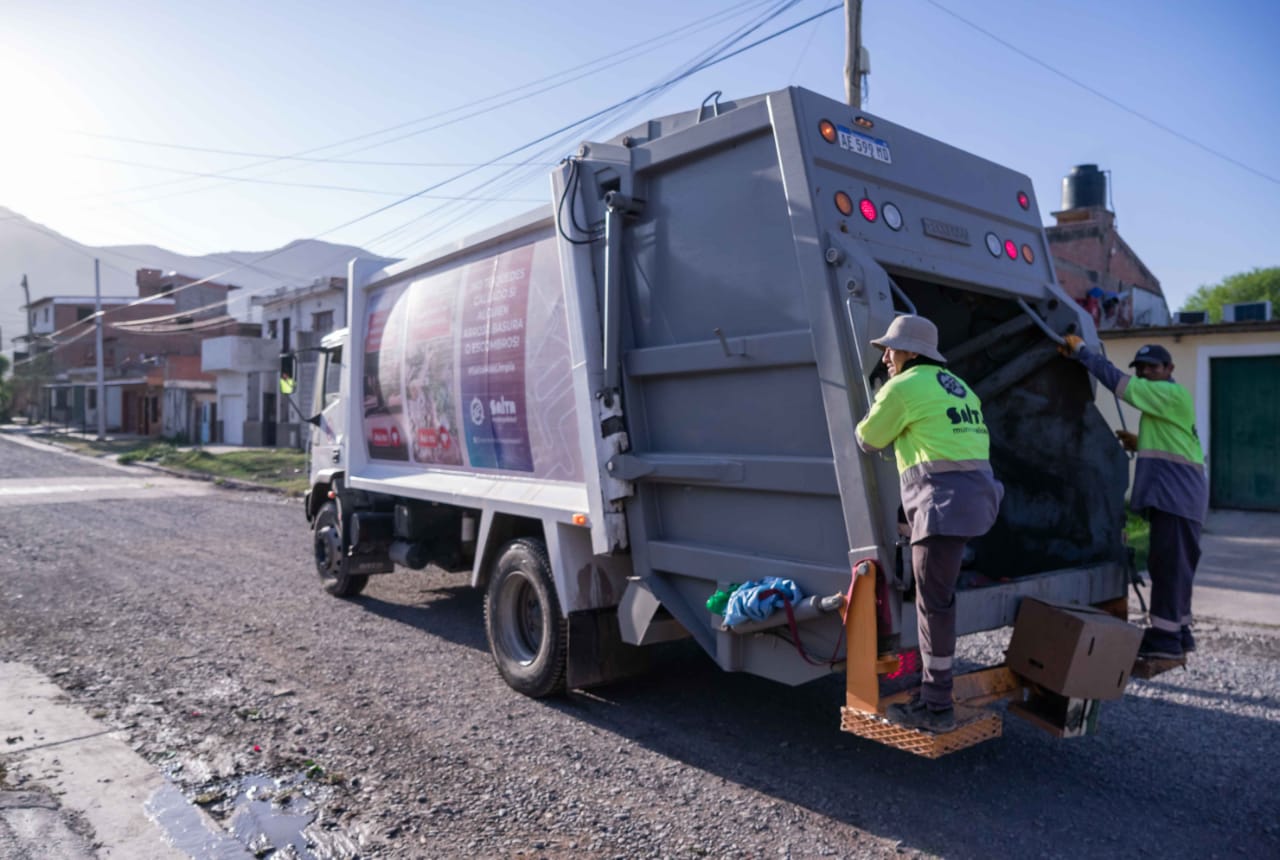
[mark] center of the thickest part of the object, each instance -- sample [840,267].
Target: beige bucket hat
[911,333]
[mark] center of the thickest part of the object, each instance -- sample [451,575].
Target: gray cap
[911,333]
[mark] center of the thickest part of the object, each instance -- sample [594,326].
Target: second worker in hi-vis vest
[1169,486]
[934,422]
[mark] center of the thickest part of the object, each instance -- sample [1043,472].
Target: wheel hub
[521,631]
[328,551]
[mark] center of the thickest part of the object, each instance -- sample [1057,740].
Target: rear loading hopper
[748,259]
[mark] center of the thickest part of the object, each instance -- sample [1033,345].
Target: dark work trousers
[1172,560]
[936,561]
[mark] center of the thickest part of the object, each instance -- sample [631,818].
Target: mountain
[58,266]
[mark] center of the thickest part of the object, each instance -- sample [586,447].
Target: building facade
[1093,262]
[252,409]
[151,345]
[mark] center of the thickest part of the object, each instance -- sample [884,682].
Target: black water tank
[1085,185]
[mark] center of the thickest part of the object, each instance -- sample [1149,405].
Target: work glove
[1071,344]
[1128,440]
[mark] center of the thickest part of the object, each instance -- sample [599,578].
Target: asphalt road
[191,622]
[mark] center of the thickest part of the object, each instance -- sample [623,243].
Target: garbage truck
[645,392]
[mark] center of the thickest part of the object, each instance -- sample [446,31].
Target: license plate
[864,144]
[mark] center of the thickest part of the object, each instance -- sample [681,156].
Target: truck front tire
[331,560]
[528,635]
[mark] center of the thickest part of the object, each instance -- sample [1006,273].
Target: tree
[1254,286]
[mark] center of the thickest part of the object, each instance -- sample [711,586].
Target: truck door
[326,435]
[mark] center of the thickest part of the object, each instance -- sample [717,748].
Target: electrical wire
[570,193]
[709,58]
[264,181]
[602,63]
[1093,91]
[693,69]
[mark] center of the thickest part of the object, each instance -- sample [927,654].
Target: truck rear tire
[528,635]
[331,560]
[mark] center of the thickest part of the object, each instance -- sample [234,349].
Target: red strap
[795,632]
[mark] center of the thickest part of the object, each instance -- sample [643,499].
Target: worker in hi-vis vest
[1169,486]
[934,422]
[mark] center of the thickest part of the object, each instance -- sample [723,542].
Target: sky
[109,111]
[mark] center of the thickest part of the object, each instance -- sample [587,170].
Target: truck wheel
[528,636]
[331,560]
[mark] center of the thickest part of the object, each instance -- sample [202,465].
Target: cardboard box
[1076,651]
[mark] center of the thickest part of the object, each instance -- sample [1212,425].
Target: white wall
[231,411]
[243,354]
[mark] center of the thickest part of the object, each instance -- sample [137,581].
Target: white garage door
[231,414]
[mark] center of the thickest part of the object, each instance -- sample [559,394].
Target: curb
[228,483]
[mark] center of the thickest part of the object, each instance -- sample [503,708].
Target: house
[1094,264]
[152,381]
[237,362]
[294,319]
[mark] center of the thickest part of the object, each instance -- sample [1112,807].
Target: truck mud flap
[597,654]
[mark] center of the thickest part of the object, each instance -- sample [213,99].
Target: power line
[253,179]
[603,62]
[693,69]
[270,156]
[1104,96]
[705,59]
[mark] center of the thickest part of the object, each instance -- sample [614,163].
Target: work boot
[1188,641]
[917,715]
[1160,645]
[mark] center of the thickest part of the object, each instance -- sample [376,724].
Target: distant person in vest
[934,422]
[1169,486]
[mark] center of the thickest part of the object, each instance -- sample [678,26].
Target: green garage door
[1244,424]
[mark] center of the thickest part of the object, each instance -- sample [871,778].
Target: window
[322,322]
[46,314]
[284,335]
[271,329]
[92,400]
[83,313]
[330,379]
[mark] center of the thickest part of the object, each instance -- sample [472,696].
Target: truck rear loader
[645,392]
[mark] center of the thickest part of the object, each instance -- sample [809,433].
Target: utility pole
[855,69]
[26,293]
[102,386]
[29,385]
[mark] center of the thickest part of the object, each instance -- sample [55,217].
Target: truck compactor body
[612,407]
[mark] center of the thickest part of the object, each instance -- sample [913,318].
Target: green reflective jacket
[929,415]
[1168,417]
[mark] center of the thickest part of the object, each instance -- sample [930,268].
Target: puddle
[263,818]
[269,815]
[187,830]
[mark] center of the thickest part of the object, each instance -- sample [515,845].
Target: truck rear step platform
[975,722]
[973,726]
